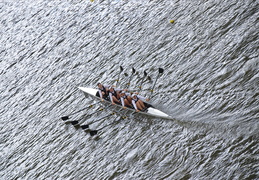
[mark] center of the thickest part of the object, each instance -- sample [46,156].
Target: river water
[209,86]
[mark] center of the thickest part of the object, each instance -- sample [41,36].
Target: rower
[125,99]
[138,103]
[103,91]
[114,95]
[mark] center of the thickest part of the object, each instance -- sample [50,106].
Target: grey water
[209,86]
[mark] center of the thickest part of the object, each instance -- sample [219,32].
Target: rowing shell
[150,111]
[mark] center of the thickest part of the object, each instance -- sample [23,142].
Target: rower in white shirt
[114,95]
[137,102]
[125,99]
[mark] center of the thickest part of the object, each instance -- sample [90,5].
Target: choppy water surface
[209,86]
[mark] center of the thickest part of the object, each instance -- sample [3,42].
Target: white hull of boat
[150,111]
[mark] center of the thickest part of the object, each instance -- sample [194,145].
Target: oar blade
[65,118]
[145,73]
[133,70]
[94,132]
[74,123]
[121,68]
[160,70]
[85,126]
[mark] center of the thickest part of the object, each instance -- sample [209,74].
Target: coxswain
[103,91]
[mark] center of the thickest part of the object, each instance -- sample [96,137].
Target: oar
[76,122]
[87,125]
[117,80]
[94,132]
[67,117]
[145,74]
[133,71]
[160,71]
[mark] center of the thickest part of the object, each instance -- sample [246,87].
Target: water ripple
[210,87]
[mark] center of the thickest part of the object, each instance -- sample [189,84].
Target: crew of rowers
[122,97]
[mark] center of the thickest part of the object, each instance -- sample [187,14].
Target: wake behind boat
[150,111]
